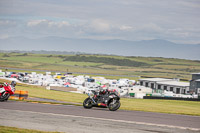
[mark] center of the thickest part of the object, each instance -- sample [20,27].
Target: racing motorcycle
[6,90]
[104,98]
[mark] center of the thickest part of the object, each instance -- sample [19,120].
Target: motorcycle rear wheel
[87,103]
[114,106]
[4,97]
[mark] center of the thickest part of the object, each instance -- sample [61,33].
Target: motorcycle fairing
[2,90]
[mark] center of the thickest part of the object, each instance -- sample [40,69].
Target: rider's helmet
[13,83]
[102,91]
[5,84]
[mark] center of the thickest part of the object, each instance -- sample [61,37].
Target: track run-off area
[76,119]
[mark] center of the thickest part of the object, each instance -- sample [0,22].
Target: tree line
[105,60]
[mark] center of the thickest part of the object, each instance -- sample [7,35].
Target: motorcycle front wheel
[87,103]
[4,97]
[114,105]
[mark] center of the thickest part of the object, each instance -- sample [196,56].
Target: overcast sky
[174,20]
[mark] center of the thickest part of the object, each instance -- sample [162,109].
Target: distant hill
[152,48]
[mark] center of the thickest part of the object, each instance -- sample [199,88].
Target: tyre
[4,97]
[87,103]
[113,106]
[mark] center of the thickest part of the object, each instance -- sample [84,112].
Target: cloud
[36,22]
[4,22]
[99,25]
[105,26]
[127,19]
[190,4]
[58,24]
[151,27]
[4,36]
[48,23]
[125,28]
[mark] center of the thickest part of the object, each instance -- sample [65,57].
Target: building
[195,83]
[139,91]
[176,87]
[162,84]
[152,82]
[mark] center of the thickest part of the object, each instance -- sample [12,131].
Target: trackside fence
[171,98]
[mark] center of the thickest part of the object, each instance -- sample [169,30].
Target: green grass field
[5,129]
[148,66]
[148,105]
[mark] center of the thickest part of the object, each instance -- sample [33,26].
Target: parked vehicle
[104,98]
[6,90]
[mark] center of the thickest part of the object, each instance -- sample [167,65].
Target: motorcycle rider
[102,98]
[103,91]
[6,90]
[102,94]
[12,85]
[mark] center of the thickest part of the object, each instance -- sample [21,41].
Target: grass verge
[162,106]
[5,129]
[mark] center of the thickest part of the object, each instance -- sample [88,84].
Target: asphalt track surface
[76,119]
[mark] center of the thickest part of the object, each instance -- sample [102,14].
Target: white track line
[104,119]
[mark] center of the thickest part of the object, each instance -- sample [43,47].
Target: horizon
[50,52]
[146,48]
[98,39]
